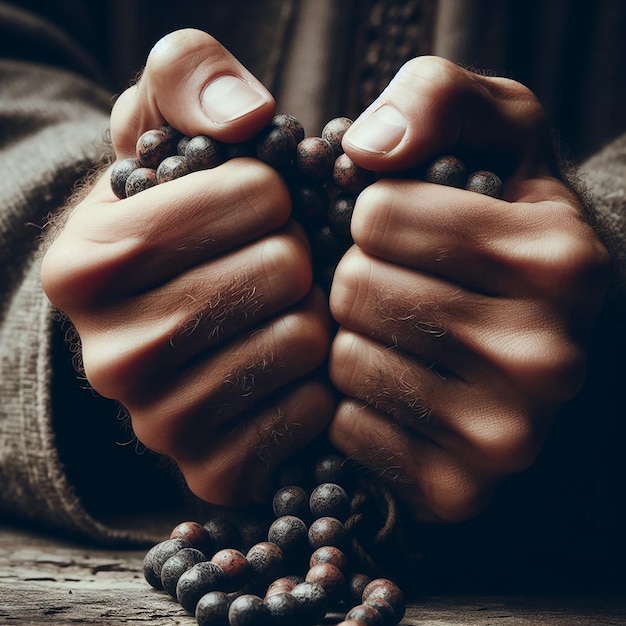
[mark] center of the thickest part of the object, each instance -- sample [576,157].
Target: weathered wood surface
[46,581]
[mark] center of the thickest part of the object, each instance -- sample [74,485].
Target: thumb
[433,106]
[192,82]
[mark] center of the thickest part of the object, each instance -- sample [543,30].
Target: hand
[193,300]
[463,318]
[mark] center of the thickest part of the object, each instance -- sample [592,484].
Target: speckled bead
[350,177]
[237,569]
[203,153]
[157,555]
[196,581]
[327,531]
[172,167]
[176,565]
[212,609]
[315,158]
[334,131]
[284,609]
[330,500]
[120,173]
[340,212]
[365,614]
[154,145]
[139,180]
[486,183]
[330,578]
[248,610]
[314,600]
[291,500]
[266,561]
[290,534]
[284,584]
[223,533]
[388,591]
[447,170]
[329,554]
[291,124]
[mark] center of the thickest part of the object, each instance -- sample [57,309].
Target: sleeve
[604,177]
[61,456]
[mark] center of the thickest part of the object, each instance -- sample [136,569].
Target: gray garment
[51,126]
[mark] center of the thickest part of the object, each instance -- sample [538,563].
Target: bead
[334,131]
[356,585]
[330,578]
[212,609]
[251,531]
[276,147]
[223,533]
[178,563]
[196,581]
[486,183]
[330,469]
[388,591]
[365,614]
[384,608]
[329,554]
[327,531]
[315,158]
[153,146]
[203,153]
[282,584]
[157,555]
[291,500]
[266,561]
[350,177]
[330,500]
[237,569]
[196,534]
[327,244]
[248,610]
[120,173]
[309,202]
[139,180]
[340,213]
[284,609]
[172,167]
[313,599]
[181,146]
[289,533]
[290,123]
[447,170]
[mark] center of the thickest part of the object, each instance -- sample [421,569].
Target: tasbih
[307,564]
[323,181]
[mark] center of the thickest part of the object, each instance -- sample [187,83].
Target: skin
[463,319]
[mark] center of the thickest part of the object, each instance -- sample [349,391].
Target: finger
[434,106]
[129,246]
[470,336]
[436,485]
[236,466]
[191,81]
[519,248]
[179,412]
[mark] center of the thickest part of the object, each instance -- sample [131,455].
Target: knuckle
[285,257]
[350,285]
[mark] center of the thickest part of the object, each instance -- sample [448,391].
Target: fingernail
[228,98]
[380,132]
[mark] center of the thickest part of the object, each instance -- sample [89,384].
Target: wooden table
[47,581]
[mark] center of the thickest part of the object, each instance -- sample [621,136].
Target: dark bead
[327,531]
[328,245]
[154,145]
[196,581]
[282,584]
[284,609]
[139,180]
[181,146]
[248,610]
[388,591]
[236,568]
[251,531]
[329,554]
[340,213]
[266,561]
[356,585]
[172,167]
[486,183]
[212,609]
[120,173]
[204,153]
[331,468]
[447,170]
[176,565]
[290,123]
[240,149]
[384,608]
[315,158]
[330,578]
[276,147]
[350,177]
[291,500]
[365,614]
[157,555]
[290,534]
[196,534]
[309,202]
[330,500]
[334,131]
[313,599]
[291,473]
[223,533]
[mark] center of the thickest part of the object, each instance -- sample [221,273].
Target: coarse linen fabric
[68,463]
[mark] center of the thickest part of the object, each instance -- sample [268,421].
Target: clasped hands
[462,319]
